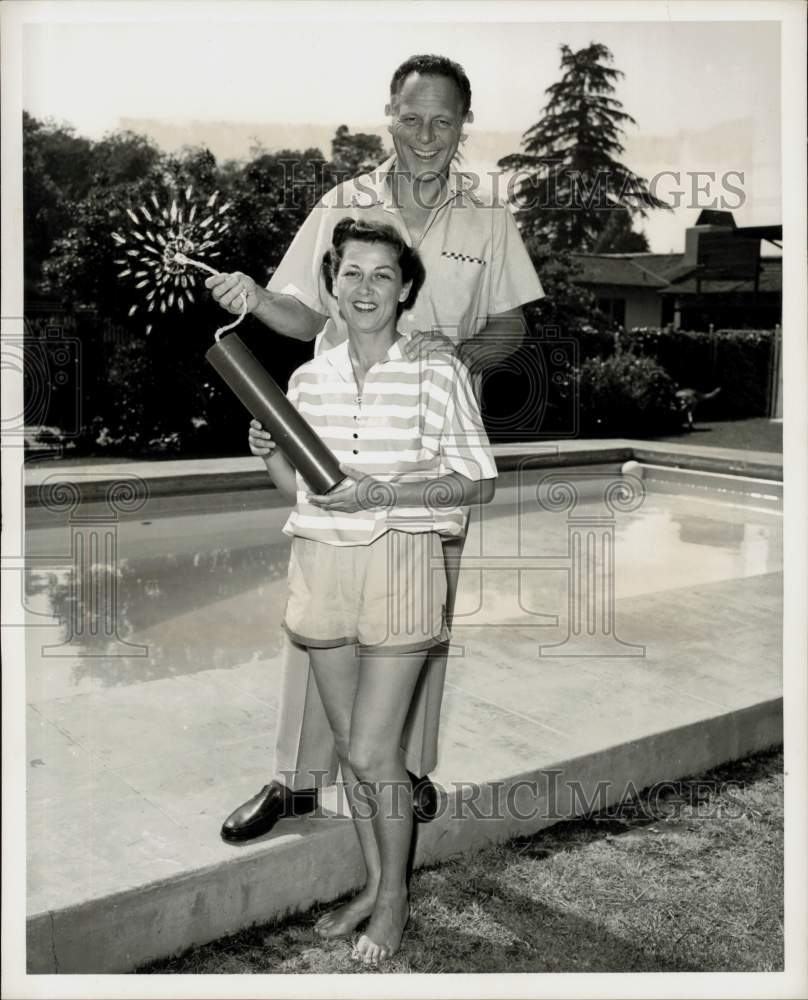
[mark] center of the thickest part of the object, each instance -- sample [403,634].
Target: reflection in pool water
[206,589]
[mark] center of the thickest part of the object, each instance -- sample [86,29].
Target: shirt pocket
[459,280]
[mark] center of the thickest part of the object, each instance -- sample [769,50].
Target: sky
[705,95]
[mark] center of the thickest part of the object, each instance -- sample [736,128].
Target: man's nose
[425,132]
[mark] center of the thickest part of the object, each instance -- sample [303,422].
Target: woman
[367,581]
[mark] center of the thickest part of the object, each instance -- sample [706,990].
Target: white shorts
[389,594]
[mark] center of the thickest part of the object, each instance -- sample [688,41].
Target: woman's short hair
[409,262]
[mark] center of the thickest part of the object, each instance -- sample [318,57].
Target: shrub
[626,394]
[736,360]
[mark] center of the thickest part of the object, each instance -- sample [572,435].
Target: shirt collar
[339,358]
[374,189]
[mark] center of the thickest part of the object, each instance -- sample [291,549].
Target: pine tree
[618,236]
[568,184]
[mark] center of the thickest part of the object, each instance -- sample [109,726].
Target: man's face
[427,119]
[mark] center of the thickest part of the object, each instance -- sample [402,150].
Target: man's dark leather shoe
[257,816]
[424,798]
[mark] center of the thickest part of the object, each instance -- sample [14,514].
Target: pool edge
[121,932]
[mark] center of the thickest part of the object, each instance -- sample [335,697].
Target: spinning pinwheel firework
[157,258]
[157,248]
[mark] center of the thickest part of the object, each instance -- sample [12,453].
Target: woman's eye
[386,277]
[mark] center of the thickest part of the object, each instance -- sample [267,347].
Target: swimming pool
[200,581]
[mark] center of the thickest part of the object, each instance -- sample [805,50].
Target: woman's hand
[261,444]
[422,343]
[356,492]
[228,289]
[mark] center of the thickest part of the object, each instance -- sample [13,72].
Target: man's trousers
[305,756]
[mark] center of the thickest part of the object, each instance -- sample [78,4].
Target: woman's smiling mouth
[365,306]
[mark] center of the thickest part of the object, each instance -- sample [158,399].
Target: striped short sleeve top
[415,420]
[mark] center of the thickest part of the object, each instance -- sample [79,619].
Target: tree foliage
[571,190]
[355,153]
[151,393]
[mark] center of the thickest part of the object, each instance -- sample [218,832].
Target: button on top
[356,435]
[355,451]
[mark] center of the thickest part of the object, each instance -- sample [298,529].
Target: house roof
[770,280]
[657,271]
[615,269]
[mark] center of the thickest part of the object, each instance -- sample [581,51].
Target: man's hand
[422,343]
[357,492]
[228,289]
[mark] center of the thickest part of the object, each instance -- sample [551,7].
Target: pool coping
[223,475]
[124,930]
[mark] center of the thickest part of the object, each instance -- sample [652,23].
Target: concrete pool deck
[128,786]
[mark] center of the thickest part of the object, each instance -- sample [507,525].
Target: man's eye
[409,120]
[442,123]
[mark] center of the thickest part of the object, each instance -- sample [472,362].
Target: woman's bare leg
[383,697]
[336,671]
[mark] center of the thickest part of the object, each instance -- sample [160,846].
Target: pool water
[199,583]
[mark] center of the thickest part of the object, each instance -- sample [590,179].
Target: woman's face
[368,286]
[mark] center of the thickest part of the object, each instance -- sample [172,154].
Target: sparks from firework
[155,248]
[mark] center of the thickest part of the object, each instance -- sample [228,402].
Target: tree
[355,153]
[56,172]
[618,236]
[568,181]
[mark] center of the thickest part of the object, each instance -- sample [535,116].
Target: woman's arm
[280,470]
[451,490]
[361,492]
[283,475]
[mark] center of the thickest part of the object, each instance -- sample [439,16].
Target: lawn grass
[691,880]
[754,434]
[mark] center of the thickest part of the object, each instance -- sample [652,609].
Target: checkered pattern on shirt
[462,256]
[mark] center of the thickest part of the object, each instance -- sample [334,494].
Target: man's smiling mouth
[425,154]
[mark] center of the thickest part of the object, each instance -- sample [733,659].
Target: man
[478,275]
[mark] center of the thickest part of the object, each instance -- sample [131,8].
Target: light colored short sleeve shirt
[416,420]
[475,261]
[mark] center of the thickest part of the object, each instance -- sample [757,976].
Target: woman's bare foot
[342,920]
[383,935]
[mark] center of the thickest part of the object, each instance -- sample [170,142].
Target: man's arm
[287,315]
[283,313]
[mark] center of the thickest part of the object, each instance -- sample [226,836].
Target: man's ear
[469,117]
[388,110]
